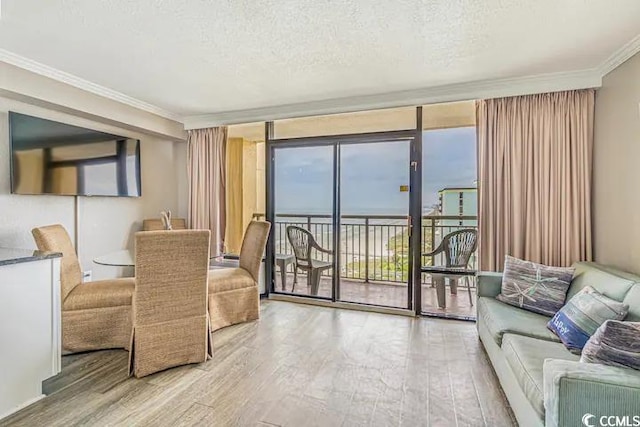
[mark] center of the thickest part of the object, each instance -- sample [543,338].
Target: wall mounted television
[49,157]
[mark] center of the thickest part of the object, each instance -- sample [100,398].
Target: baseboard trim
[22,406]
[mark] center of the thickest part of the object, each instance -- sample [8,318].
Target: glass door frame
[414,136]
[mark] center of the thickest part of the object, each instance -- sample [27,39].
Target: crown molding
[620,56]
[431,95]
[75,81]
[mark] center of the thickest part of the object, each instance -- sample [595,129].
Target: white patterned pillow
[535,287]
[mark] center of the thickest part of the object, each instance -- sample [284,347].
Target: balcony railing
[372,247]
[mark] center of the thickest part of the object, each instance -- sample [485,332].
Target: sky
[371,174]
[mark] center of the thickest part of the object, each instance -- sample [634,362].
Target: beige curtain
[207,170]
[534,169]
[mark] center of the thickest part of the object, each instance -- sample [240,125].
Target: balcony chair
[458,247]
[303,244]
[234,296]
[154,224]
[95,315]
[170,319]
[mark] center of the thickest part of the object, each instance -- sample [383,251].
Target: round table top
[125,258]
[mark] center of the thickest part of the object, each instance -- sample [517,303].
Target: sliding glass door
[340,209]
[303,225]
[374,223]
[449,206]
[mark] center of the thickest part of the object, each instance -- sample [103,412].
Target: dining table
[126,258]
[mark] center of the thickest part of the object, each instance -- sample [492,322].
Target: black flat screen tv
[49,157]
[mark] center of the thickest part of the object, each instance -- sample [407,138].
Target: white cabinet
[30,327]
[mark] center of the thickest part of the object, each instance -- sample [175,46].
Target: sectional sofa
[545,383]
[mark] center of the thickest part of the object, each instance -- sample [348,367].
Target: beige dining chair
[170,319]
[155,224]
[95,315]
[233,292]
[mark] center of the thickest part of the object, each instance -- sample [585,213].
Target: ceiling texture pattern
[196,57]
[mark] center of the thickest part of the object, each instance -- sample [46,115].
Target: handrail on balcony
[372,249]
[259,216]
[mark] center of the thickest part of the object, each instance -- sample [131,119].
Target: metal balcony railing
[372,247]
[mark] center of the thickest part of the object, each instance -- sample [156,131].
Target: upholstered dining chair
[155,224]
[170,319]
[233,292]
[95,315]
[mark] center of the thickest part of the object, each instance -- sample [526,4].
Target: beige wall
[244,166]
[24,86]
[261,186]
[233,231]
[106,224]
[616,193]
[249,182]
[434,116]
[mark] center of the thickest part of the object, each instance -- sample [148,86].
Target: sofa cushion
[229,279]
[616,284]
[101,294]
[525,356]
[632,299]
[535,287]
[501,318]
[610,282]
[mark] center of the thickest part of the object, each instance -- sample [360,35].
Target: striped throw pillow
[579,319]
[535,287]
[615,344]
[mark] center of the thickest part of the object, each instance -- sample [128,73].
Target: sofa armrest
[489,284]
[573,390]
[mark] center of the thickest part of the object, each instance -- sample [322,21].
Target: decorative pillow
[614,343]
[535,287]
[582,316]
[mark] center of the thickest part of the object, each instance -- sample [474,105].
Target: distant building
[460,202]
[453,203]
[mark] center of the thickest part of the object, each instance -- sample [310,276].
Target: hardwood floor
[299,365]
[387,294]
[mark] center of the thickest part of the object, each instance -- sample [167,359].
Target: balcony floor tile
[388,294]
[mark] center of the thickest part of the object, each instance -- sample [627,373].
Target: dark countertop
[14,256]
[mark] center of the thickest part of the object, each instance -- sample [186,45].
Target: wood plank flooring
[299,365]
[388,295]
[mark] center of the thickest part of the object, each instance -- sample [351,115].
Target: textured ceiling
[202,56]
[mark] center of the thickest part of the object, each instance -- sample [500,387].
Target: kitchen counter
[10,256]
